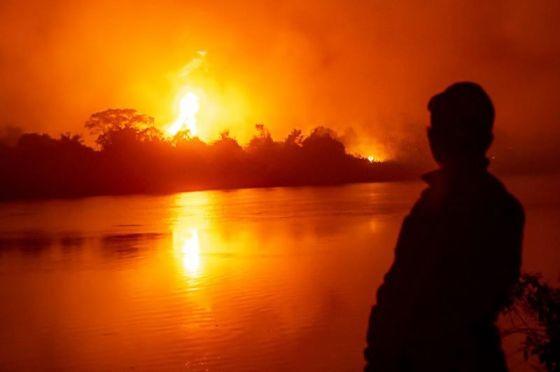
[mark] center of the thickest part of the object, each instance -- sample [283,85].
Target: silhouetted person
[457,256]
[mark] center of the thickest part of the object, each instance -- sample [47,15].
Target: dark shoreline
[76,196]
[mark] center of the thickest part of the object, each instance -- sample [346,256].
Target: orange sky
[364,68]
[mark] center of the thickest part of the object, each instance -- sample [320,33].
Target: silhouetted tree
[322,141]
[294,139]
[134,157]
[262,142]
[115,127]
[535,314]
[9,135]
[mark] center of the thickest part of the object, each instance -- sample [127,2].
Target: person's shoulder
[502,198]
[422,205]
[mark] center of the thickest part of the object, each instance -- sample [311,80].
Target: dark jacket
[457,257]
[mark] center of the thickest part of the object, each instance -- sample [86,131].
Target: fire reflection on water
[189,216]
[187,246]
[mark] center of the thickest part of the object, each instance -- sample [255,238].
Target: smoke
[193,65]
[367,67]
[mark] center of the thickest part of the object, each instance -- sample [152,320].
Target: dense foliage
[134,157]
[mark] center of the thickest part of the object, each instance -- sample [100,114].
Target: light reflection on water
[187,246]
[192,213]
[269,279]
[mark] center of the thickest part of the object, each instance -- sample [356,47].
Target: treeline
[134,157]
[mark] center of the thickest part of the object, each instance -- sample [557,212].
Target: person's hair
[462,117]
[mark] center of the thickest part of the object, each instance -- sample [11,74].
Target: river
[270,279]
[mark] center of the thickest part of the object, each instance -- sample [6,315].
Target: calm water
[256,279]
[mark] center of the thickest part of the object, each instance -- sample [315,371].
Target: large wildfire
[188,101]
[192,94]
[186,120]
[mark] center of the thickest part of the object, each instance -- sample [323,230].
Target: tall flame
[188,102]
[188,108]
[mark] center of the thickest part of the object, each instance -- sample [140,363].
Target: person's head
[461,122]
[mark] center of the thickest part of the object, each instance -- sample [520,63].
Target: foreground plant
[535,314]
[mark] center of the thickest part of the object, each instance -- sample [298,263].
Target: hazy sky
[364,68]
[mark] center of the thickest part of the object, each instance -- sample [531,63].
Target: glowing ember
[370,158]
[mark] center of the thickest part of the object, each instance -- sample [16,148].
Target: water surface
[256,279]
